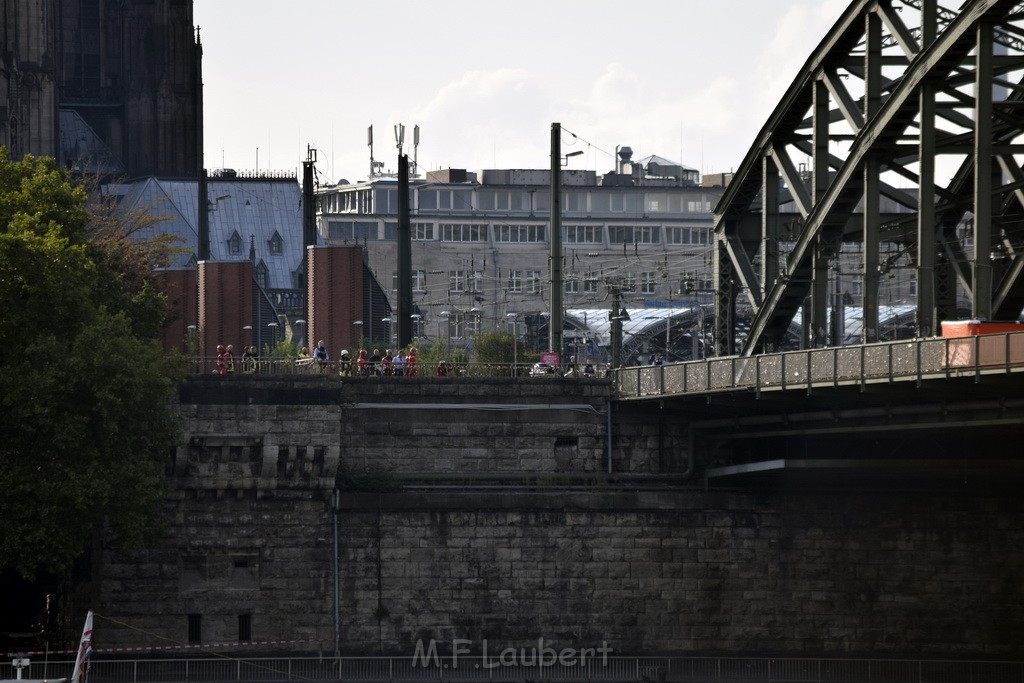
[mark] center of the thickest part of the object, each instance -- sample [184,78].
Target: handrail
[272,366]
[907,359]
[519,664]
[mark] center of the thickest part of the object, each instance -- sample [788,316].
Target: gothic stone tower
[106,86]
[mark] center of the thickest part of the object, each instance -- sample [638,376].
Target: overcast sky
[689,80]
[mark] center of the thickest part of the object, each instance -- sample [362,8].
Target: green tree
[84,387]
[494,348]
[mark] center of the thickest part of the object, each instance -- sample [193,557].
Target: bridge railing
[532,666]
[913,359]
[307,366]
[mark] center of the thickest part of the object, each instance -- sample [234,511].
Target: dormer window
[261,274]
[235,243]
[276,244]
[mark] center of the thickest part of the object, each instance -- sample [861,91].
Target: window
[647,234]
[695,280]
[647,282]
[622,202]
[533,282]
[584,234]
[456,281]
[390,230]
[572,285]
[235,243]
[261,274]
[463,232]
[590,282]
[493,200]
[352,230]
[385,201]
[276,244]
[634,234]
[244,628]
[520,233]
[195,628]
[629,282]
[574,202]
[657,202]
[698,206]
[476,282]
[423,231]
[515,281]
[419,280]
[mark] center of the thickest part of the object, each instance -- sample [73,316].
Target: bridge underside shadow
[949,433]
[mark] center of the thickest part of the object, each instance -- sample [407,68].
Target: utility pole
[308,232]
[404,255]
[615,318]
[555,258]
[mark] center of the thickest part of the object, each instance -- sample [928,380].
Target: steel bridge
[902,129]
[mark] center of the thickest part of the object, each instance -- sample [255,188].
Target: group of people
[226,360]
[376,364]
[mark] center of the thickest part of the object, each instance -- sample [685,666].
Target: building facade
[481,240]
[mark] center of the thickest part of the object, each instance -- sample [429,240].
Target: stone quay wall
[798,574]
[578,559]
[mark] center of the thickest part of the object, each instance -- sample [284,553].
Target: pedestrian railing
[913,360]
[308,366]
[528,664]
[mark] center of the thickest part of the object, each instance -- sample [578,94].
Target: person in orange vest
[410,362]
[222,361]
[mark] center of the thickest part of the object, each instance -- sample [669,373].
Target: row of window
[384,201]
[522,233]
[532,282]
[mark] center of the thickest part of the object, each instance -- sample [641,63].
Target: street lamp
[273,331]
[416,331]
[302,335]
[515,342]
[447,315]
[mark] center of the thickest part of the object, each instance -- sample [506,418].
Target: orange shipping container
[983,343]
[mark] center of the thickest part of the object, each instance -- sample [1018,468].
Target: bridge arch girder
[902,99]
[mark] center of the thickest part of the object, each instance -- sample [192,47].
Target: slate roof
[254,209]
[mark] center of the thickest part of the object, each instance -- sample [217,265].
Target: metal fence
[543,666]
[915,359]
[309,366]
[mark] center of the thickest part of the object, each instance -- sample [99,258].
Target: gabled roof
[255,209]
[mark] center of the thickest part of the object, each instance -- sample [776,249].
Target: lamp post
[358,324]
[416,331]
[273,332]
[515,343]
[302,334]
[447,315]
[390,328]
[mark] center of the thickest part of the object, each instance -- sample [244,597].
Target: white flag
[81,674]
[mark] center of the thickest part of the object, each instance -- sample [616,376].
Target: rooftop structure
[480,239]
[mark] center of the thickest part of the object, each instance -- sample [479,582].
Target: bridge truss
[909,115]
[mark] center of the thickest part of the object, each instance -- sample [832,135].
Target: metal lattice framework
[909,117]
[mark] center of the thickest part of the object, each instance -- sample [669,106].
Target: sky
[689,80]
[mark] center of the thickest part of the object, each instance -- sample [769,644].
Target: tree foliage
[85,415]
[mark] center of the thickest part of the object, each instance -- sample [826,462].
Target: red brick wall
[335,297]
[181,287]
[225,305]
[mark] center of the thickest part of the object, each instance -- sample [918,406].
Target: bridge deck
[916,360]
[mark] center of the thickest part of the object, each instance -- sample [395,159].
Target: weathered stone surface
[249,530]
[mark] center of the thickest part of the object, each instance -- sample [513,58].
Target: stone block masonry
[796,574]
[246,545]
